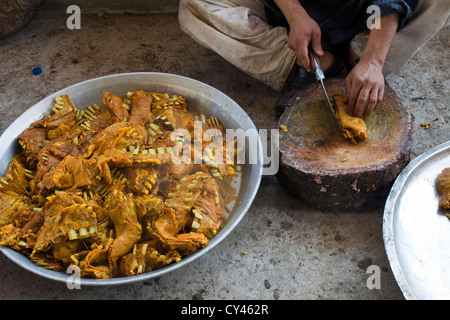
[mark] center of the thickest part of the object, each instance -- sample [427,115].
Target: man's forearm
[380,40]
[365,82]
[291,9]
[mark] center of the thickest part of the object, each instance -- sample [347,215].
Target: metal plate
[416,235]
[200,97]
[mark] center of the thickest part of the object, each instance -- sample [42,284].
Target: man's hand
[303,32]
[365,88]
[365,83]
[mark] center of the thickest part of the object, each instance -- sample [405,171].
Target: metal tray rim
[389,215]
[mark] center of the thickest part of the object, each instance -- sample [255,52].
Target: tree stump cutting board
[326,171]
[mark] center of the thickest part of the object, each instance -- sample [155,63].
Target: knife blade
[320,76]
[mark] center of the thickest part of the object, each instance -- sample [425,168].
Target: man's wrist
[372,59]
[292,10]
[380,40]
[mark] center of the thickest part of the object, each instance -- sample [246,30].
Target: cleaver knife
[320,76]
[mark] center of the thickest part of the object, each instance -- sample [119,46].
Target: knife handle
[318,72]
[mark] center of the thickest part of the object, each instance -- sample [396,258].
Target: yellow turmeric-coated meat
[353,128]
[443,189]
[99,188]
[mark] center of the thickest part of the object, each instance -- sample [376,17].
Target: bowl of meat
[125,177]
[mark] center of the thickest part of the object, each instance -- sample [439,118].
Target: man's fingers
[316,43]
[361,102]
[380,95]
[348,85]
[303,57]
[364,89]
[372,104]
[376,96]
[353,96]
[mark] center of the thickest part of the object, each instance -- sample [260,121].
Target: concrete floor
[294,252]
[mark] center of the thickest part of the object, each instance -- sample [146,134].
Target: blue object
[37,70]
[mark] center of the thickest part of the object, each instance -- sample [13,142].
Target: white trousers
[238,31]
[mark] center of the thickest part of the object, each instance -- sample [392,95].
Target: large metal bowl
[200,98]
[416,234]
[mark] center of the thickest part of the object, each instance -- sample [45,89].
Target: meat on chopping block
[326,171]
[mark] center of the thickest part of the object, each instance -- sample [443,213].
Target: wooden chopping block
[326,171]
